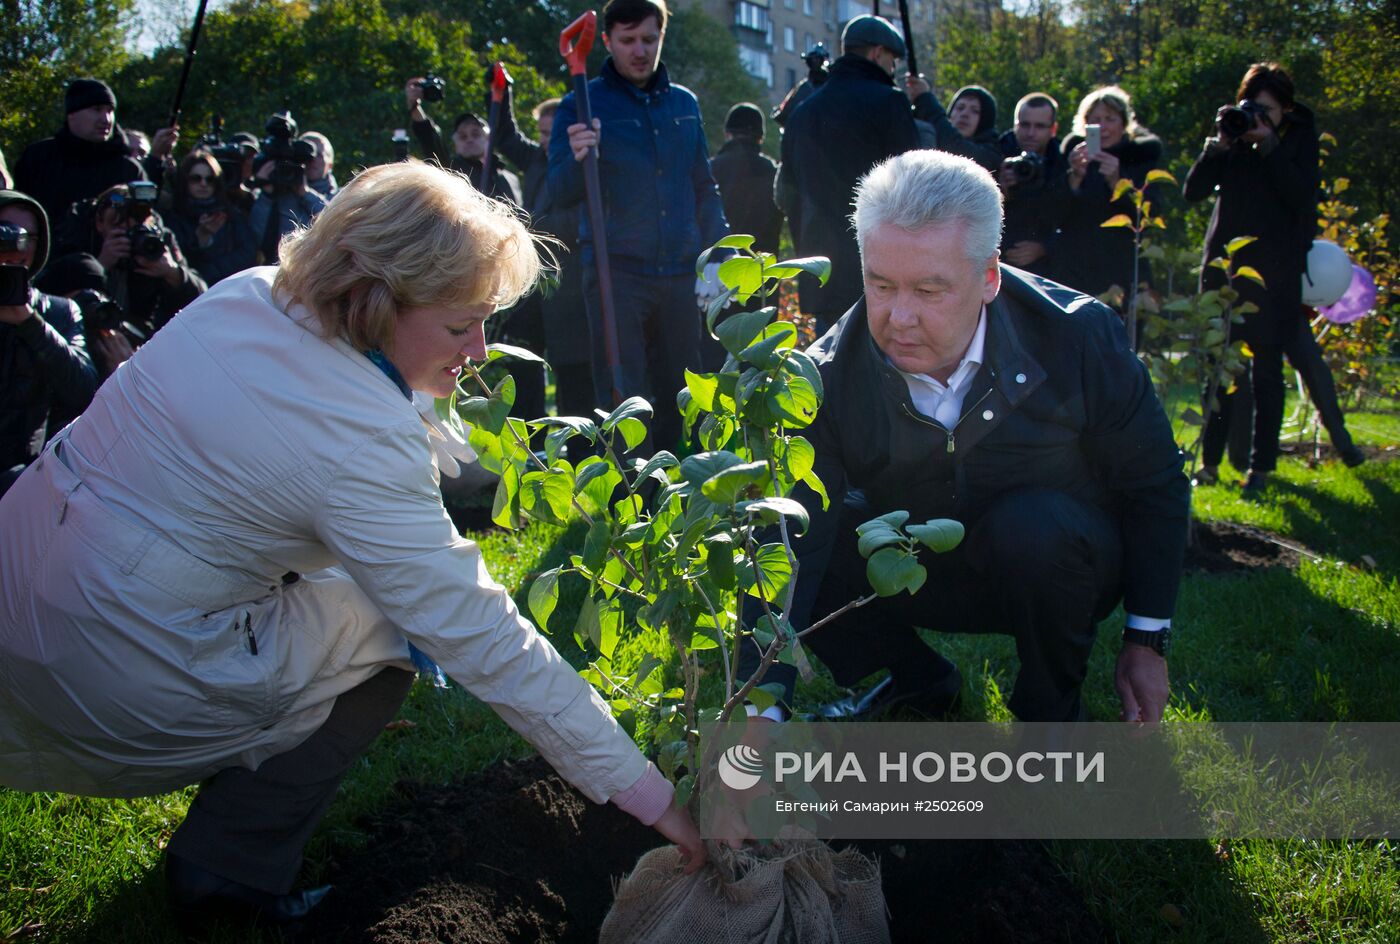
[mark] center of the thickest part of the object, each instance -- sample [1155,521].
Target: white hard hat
[1328,274]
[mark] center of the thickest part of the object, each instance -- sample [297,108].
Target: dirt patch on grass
[515,854]
[1226,547]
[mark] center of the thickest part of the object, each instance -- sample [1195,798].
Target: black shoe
[1254,484]
[199,896]
[886,696]
[1351,456]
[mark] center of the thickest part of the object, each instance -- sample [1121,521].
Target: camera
[433,87]
[14,238]
[399,142]
[289,155]
[147,242]
[101,314]
[1233,121]
[1027,167]
[228,154]
[14,283]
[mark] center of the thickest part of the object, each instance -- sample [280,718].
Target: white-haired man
[959,387]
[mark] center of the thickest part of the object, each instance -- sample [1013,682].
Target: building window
[789,4]
[789,38]
[807,7]
[757,63]
[751,16]
[808,42]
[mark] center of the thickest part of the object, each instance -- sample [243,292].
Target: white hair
[918,189]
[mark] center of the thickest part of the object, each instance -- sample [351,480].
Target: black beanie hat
[744,118]
[72,273]
[84,93]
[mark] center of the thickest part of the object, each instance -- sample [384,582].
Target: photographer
[1091,258]
[111,338]
[1032,179]
[86,156]
[1262,164]
[214,235]
[146,274]
[45,370]
[285,202]
[469,136]
[816,58]
[319,176]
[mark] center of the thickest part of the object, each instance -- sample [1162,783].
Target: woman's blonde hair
[404,235]
[1115,98]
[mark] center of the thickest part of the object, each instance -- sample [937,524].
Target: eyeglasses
[201,178]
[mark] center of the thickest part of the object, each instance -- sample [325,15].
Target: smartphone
[1093,140]
[14,286]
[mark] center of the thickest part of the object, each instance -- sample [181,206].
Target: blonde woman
[217,571]
[1094,259]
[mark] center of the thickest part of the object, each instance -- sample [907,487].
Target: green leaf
[1120,219]
[594,482]
[544,597]
[684,788]
[876,538]
[739,330]
[723,487]
[792,400]
[1157,175]
[774,572]
[1238,243]
[505,508]
[658,463]
[633,431]
[893,519]
[812,481]
[891,570]
[547,496]
[801,364]
[632,406]
[764,351]
[799,457]
[588,627]
[595,545]
[1124,185]
[702,389]
[719,560]
[490,412]
[744,274]
[735,241]
[939,535]
[698,468]
[519,353]
[1251,273]
[609,626]
[704,637]
[820,266]
[778,506]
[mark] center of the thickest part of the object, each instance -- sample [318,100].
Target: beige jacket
[146,637]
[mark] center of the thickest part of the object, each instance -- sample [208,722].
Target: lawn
[1317,643]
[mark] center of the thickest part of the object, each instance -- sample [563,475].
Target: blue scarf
[427,668]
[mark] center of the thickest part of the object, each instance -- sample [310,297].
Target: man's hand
[1141,680]
[1024,253]
[161,267]
[115,248]
[676,825]
[413,92]
[163,144]
[114,348]
[14,314]
[582,138]
[915,85]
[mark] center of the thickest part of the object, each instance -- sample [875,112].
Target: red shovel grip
[576,40]
[500,78]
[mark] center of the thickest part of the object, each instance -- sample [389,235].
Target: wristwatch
[1158,640]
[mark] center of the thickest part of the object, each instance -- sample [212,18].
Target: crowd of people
[249,473]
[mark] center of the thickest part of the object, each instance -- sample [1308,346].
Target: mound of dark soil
[1223,547]
[515,854]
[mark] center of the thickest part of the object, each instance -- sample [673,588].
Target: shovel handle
[576,40]
[500,78]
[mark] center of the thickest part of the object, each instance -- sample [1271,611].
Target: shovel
[500,78]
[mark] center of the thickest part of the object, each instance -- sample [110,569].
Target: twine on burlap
[793,892]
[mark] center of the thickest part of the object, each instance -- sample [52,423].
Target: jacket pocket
[582,721]
[234,663]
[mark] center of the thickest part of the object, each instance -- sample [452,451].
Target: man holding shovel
[661,208]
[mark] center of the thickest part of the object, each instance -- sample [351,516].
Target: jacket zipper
[945,430]
[252,637]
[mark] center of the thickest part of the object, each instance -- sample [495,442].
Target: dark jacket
[45,370]
[233,248]
[503,184]
[1270,194]
[659,199]
[274,215]
[981,147]
[1060,402]
[61,170]
[1091,258]
[854,121]
[745,177]
[1035,209]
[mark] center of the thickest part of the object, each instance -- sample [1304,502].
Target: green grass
[1317,643]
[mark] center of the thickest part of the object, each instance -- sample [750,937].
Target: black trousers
[252,826]
[1038,565]
[1266,379]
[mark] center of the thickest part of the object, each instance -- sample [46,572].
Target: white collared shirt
[944,401]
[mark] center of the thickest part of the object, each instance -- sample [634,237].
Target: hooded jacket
[63,169]
[1270,192]
[853,122]
[1091,258]
[45,370]
[982,146]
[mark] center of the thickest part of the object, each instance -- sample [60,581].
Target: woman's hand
[209,225]
[676,825]
[1109,168]
[1078,164]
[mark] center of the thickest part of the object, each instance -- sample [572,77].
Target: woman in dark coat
[1094,259]
[213,234]
[1267,185]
